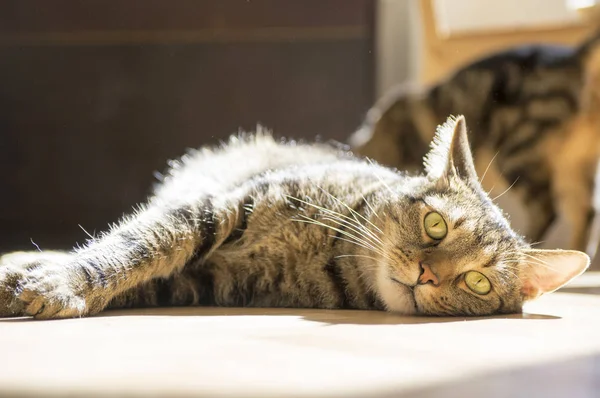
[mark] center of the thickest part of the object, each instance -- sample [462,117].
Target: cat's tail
[397,129]
[398,94]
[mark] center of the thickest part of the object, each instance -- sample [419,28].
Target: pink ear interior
[544,271]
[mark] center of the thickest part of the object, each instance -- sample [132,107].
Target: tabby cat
[268,224]
[522,104]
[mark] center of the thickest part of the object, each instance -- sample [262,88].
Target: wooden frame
[443,53]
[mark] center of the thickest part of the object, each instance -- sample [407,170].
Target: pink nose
[427,276]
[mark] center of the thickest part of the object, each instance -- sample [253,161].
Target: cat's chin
[396,296]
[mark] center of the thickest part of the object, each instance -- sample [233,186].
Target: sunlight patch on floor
[588,279]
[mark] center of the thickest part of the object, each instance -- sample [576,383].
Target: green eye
[435,226]
[478,282]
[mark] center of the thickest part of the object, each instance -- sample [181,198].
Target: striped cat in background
[266,224]
[525,106]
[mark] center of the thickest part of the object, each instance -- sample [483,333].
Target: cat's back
[527,57]
[532,83]
[507,78]
[241,158]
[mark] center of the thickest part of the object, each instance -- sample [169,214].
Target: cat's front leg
[155,243]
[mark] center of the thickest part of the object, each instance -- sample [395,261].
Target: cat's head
[453,251]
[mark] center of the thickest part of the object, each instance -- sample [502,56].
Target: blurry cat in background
[532,110]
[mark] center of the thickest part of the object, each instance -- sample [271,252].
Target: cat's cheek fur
[396,298]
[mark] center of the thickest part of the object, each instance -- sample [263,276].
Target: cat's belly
[271,276]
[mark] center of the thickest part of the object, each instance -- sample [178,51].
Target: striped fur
[268,224]
[525,107]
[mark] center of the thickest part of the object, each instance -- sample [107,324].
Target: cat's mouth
[410,285]
[408,288]
[397,281]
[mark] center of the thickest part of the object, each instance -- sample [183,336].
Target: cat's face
[450,250]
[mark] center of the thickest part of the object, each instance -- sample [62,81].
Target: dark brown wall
[96,95]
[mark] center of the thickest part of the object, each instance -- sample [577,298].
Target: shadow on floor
[351,317]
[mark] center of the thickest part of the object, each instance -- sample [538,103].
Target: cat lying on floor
[267,224]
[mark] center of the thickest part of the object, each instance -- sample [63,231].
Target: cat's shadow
[330,317]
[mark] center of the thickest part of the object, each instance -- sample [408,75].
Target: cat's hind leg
[574,182]
[574,193]
[574,198]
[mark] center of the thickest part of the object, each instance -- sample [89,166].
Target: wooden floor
[552,350]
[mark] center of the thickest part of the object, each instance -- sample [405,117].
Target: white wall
[395,42]
[474,15]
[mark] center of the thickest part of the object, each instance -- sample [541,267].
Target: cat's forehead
[457,205]
[442,203]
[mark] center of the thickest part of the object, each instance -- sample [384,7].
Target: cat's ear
[450,153]
[544,271]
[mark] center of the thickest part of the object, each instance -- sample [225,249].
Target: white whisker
[36,245]
[352,211]
[354,223]
[380,179]
[334,213]
[370,207]
[507,189]
[488,167]
[364,244]
[356,255]
[364,247]
[86,232]
[359,232]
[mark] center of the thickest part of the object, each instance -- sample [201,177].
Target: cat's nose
[427,275]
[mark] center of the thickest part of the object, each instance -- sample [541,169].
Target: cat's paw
[42,285]
[52,292]
[9,279]
[14,268]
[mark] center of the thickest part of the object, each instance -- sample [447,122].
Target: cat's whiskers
[512,255]
[347,225]
[369,205]
[356,240]
[488,167]
[309,220]
[358,244]
[537,243]
[506,190]
[356,255]
[86,232]
[363,229]
[534,260]
[354,226]
[511,264]
[381,179]
[509,269]
[333,212]
[543,264]
[368,239]
[352,211]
